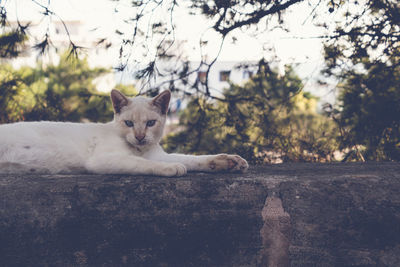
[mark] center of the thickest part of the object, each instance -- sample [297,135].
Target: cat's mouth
[141,143]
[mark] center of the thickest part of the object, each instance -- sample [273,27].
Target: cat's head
[140,120]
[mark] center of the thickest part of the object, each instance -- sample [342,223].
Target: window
[201,76]
[224,75]
[247,74]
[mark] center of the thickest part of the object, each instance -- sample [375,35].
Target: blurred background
[274,81]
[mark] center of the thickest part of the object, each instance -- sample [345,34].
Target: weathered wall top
[278,215]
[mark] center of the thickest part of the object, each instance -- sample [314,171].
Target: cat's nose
[140,137]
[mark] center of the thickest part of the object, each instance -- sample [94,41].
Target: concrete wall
[279,215]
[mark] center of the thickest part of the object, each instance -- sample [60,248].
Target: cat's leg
[206,163]
[130,164]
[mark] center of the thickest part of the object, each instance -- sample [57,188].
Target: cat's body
[129,144]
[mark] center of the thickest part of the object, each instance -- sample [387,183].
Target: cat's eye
[129,123]
[150,123]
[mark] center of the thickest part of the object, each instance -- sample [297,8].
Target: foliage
[369,112]
[370,30]
[61,92]
[366,24]
[150,32]
[364,56]
[267,118]
[362,51]
[10,110]
[12,43]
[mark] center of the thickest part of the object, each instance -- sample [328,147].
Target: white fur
[64,147]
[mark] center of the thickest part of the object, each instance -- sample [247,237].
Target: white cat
[129,144]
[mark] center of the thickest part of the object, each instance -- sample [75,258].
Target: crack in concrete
[275,234]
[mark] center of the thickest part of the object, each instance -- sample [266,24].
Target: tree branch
[255,17]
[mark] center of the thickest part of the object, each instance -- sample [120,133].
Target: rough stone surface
[281,215]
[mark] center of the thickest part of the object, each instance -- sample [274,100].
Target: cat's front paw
[225,162]
[171,169]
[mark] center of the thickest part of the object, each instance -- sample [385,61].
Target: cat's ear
[118,100]
[162,101]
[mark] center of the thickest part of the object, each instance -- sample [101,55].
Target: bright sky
[100,14]
[295,47]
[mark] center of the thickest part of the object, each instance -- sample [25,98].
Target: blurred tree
[151,33]
[267,119]
[12,45]
[369,29]
[10,110]
[61,92]
[13,42]
[362,47]
[369,112]
[367,24]
[364,55]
